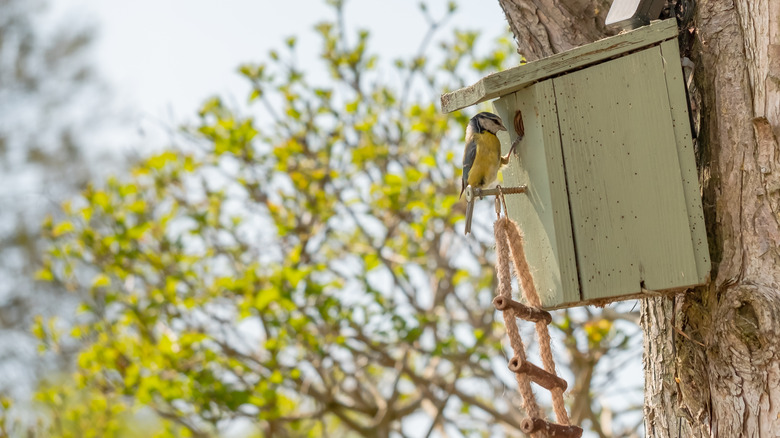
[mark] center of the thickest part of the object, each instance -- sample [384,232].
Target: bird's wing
[469,155]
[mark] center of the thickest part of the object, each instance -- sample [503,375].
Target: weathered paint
[513,79]
[613,208]
[678,103]
[543,212]
[623,175]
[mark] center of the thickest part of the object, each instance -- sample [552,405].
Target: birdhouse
[613,207]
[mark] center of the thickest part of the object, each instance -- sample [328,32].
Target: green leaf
[62,228]
[101,280]
[266,297]
[255,94]
[371,261]
[44,274]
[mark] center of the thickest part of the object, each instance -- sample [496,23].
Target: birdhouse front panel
[613,206]
[623,176]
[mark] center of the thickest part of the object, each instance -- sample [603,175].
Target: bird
[482,157]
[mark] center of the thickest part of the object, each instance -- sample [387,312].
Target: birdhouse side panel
[629,214]
[543,211]
[678,103]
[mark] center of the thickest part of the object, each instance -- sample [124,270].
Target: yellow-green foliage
[298,260]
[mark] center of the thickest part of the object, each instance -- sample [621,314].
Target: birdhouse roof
[515,78]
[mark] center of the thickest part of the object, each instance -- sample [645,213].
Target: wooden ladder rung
[522,311]
[531,425]
[539,376]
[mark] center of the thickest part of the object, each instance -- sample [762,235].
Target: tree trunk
[711,355]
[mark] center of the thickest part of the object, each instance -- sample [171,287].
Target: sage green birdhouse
[613,207]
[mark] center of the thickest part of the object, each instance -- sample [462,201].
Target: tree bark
[710,355]
[545,27]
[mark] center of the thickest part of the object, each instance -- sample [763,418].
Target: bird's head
[485,121]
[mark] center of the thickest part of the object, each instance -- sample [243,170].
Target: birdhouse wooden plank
[504,82]
[544,210]
[613,208]
[678,101]
[619,150]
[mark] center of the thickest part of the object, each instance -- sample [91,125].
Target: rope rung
[472,193]
[539,376]
[481,193]
[509,247]
[531,425]
[522,311]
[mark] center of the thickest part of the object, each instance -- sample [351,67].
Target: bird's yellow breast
[487,161]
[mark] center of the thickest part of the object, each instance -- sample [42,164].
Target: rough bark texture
[711,355]
[545,27]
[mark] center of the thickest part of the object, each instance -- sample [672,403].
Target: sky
[162,59]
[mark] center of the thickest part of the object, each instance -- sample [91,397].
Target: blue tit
[482,158]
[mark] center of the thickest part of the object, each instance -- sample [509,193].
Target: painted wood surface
[543,211]
[678,103]
[631,227]
[513,79]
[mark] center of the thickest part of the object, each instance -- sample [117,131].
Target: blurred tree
[301,272]
[46,91]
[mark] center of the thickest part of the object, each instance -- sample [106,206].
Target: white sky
[163,58]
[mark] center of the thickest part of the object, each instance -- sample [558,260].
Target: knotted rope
[509,244]
[515,340]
